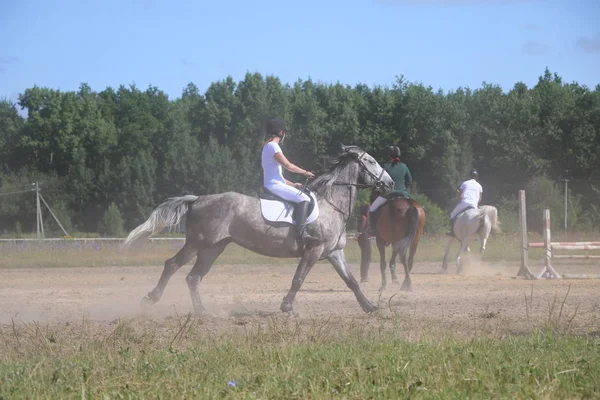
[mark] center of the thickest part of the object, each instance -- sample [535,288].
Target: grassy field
[91,254]
[385,355]
[283,358]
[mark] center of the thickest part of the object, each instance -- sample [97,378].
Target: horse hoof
[147,301]
[368,307]
[200,312]
[286,307]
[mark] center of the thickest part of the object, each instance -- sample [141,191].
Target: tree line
[129,149]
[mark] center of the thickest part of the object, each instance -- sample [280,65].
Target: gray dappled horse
[468,224]
[214,221]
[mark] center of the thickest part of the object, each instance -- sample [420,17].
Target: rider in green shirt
[400,173]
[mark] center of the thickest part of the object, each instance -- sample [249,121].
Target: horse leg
[204,262]
[463,246]
[407,264]
[445,262]
[382,263]
[393,267]
[365,258]
[337,259]
[411,254]
[483,246]
[484,238]
[187,252]
[309,258]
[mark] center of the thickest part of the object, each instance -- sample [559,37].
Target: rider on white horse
[400,173]
[273,180]
[470,194]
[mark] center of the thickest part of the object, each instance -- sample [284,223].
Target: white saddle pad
[278,211]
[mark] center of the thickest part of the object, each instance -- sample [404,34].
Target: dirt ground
[487,293]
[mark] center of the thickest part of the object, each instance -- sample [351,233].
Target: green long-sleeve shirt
[401,177]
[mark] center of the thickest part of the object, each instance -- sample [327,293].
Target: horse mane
[336,170]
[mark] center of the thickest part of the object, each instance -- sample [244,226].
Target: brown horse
[400,223]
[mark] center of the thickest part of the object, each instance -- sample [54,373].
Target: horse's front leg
[308,260]
[382,263]
[337,259]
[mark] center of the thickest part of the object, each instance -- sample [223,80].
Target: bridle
[377,185]
[378,182]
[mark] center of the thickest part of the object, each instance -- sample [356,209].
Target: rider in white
[470,193]
[272,162]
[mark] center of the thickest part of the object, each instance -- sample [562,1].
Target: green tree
[111,223]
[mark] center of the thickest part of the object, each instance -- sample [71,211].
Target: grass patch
[502,248]
[274,358]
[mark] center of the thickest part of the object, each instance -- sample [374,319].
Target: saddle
[464,210]
[278,210]
[399,204]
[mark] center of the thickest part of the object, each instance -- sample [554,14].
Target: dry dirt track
[486,292]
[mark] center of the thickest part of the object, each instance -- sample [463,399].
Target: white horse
[468,224]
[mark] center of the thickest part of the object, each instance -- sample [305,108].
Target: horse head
[370,172]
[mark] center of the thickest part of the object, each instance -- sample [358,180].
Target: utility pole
[566,197]
[39,220]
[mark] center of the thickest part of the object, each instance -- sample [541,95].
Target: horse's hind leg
[187,252]
[484,238]
[204,262]
[393,267]
[445,262]
[483,246]
[463,246]
[408,264]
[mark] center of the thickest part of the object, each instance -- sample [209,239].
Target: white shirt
[272,171]
[470,192]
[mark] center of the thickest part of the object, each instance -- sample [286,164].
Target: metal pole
[37,209]
[55,218]
[566,201]
[40,220]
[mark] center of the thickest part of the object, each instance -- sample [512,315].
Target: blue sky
[442,43]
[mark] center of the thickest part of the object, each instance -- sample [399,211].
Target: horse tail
[403,244]
[165,215]
[492,213]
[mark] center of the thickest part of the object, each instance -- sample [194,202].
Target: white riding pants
[287,192]
[461,206]
[379,201]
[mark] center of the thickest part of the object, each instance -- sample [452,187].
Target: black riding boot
[301,216]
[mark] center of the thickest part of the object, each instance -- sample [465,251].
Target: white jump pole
[548,271]
[524,271]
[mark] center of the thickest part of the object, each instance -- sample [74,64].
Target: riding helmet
[274,126]
[394,151]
